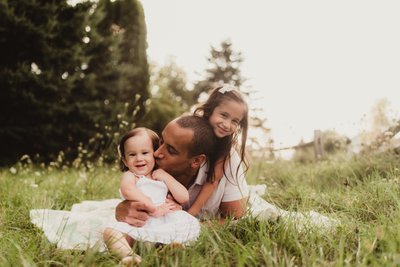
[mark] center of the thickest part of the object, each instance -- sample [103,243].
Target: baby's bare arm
[130,191]
[178,191]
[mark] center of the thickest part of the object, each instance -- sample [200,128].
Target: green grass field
[363,193]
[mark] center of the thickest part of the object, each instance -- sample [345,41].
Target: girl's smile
[226,118]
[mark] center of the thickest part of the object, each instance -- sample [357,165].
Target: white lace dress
[178,226]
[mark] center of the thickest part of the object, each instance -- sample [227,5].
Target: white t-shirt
[230,188]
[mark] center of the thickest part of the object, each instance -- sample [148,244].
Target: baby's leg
[118,244]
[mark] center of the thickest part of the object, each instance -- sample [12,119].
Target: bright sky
[315,64]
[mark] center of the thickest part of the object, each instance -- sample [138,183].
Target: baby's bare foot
[131,260]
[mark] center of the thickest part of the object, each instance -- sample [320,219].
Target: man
[185,144]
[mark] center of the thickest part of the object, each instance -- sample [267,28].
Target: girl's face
[226,117]
[139,156]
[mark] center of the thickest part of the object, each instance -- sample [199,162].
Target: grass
[362,192]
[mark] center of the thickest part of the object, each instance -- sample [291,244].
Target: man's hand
[133,212]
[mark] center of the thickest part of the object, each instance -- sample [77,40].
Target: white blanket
[81,227]
[302,221]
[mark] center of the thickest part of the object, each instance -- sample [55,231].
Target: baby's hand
[162,210]
[160,175]
[175,205]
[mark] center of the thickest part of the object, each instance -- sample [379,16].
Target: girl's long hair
[225,144]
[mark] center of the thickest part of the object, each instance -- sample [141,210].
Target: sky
[313,64]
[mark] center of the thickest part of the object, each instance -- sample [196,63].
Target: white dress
[177,226]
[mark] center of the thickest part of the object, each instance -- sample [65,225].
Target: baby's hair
[224,145]
[155,140]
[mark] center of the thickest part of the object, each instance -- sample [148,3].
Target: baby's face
[139,154]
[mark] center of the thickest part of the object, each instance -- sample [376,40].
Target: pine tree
[223,67]
[117,69]
[68,72]
[40,51]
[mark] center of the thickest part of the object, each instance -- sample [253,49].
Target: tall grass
[362,192]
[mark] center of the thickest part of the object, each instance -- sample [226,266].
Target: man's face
[173,153]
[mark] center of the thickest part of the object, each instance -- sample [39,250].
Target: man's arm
[133,212]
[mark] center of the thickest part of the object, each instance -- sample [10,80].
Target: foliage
[116,88]
[67,74]
[223,67]
[126,18]
[304,154]
[41,45]
[382,127]
[362,192]
[170,96]
[333,143]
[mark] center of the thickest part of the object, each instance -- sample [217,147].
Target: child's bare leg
[118,244]
[130,240]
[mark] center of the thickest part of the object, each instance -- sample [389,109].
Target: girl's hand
[160,175]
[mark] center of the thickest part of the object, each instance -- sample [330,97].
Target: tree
[40,46]
[127,17]
[334,142]
[223,67]
[116,88]
[168,83]
[67,72]
[382,127]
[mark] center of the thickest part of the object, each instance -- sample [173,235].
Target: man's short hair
[204,140]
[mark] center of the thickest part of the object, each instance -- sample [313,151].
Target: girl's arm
[235,204]
[207,189]
[178,191]
[130,191]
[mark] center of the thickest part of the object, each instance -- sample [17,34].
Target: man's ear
[198,161]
